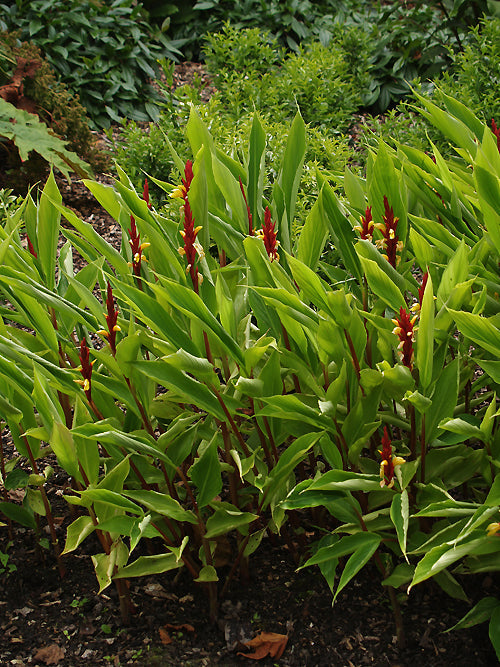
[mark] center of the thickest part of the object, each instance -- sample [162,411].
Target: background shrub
[107,53]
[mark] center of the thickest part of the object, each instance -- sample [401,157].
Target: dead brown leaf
[266,644]
[183,626]
[166,638]
[50,655]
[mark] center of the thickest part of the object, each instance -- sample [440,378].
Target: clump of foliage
[106,53]
[143,151]
[324,82]
[56,106]
[242,378]
[291,23]
[475,76]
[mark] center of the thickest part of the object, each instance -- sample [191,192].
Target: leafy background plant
[105,53]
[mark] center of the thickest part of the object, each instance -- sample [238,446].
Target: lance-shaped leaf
[48,219]
[183,385]
[206,474]
[191,305]
[312,237]
[290,176]
[479,329]
[163,504]
[256,158]
[425,340]
[77,531]
[224,520]
[400,512]
[341,231]
[288,460]
[361,545]
[159,319]
[382,286]
[147,565]
[442,556]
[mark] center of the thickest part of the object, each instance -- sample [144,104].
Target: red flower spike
[111,319]
[145,193]
[366,228]
[404,330]
[181,191]
[389,462]
[137,247]
[249,213]
[390,241]
[421,289]
[496,132]
[191,246]
[269,236]
[30,246]
[86,369]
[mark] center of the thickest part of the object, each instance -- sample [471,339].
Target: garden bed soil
[46,620]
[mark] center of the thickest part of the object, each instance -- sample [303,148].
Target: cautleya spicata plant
[231,384]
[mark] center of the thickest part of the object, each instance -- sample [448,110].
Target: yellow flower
[493,529]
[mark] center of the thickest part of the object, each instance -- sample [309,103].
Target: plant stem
[48,511]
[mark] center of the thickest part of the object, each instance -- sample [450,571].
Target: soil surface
[46,620]
[49,620]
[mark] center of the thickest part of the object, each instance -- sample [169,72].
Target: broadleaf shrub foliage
[106,53]
[237,386]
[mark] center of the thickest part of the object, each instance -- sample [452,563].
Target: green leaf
[290,176]
[480,613]
[147,565]
[341,231]
[163,504]
[19,514]
[207,573]
[382,286]
[400,512]
[441,557]
[402,574]
[450,585]
[364,552]
[189,303]
[494,630]
[182,384]
[425,337]
[344,480]
[444,399]
[112,498]
[48,219]
[312,237]
[225,520]
[479,329]
[206,474]
[61,442]
[77,532]
[288,460]
[256,171]
[29,134]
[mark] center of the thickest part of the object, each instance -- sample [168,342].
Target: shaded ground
[45,620]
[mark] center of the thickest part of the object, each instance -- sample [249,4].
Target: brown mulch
[48,620]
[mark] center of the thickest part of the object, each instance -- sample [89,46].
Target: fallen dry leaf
[166,638]
[50,655]
[183,626]
[266,644]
